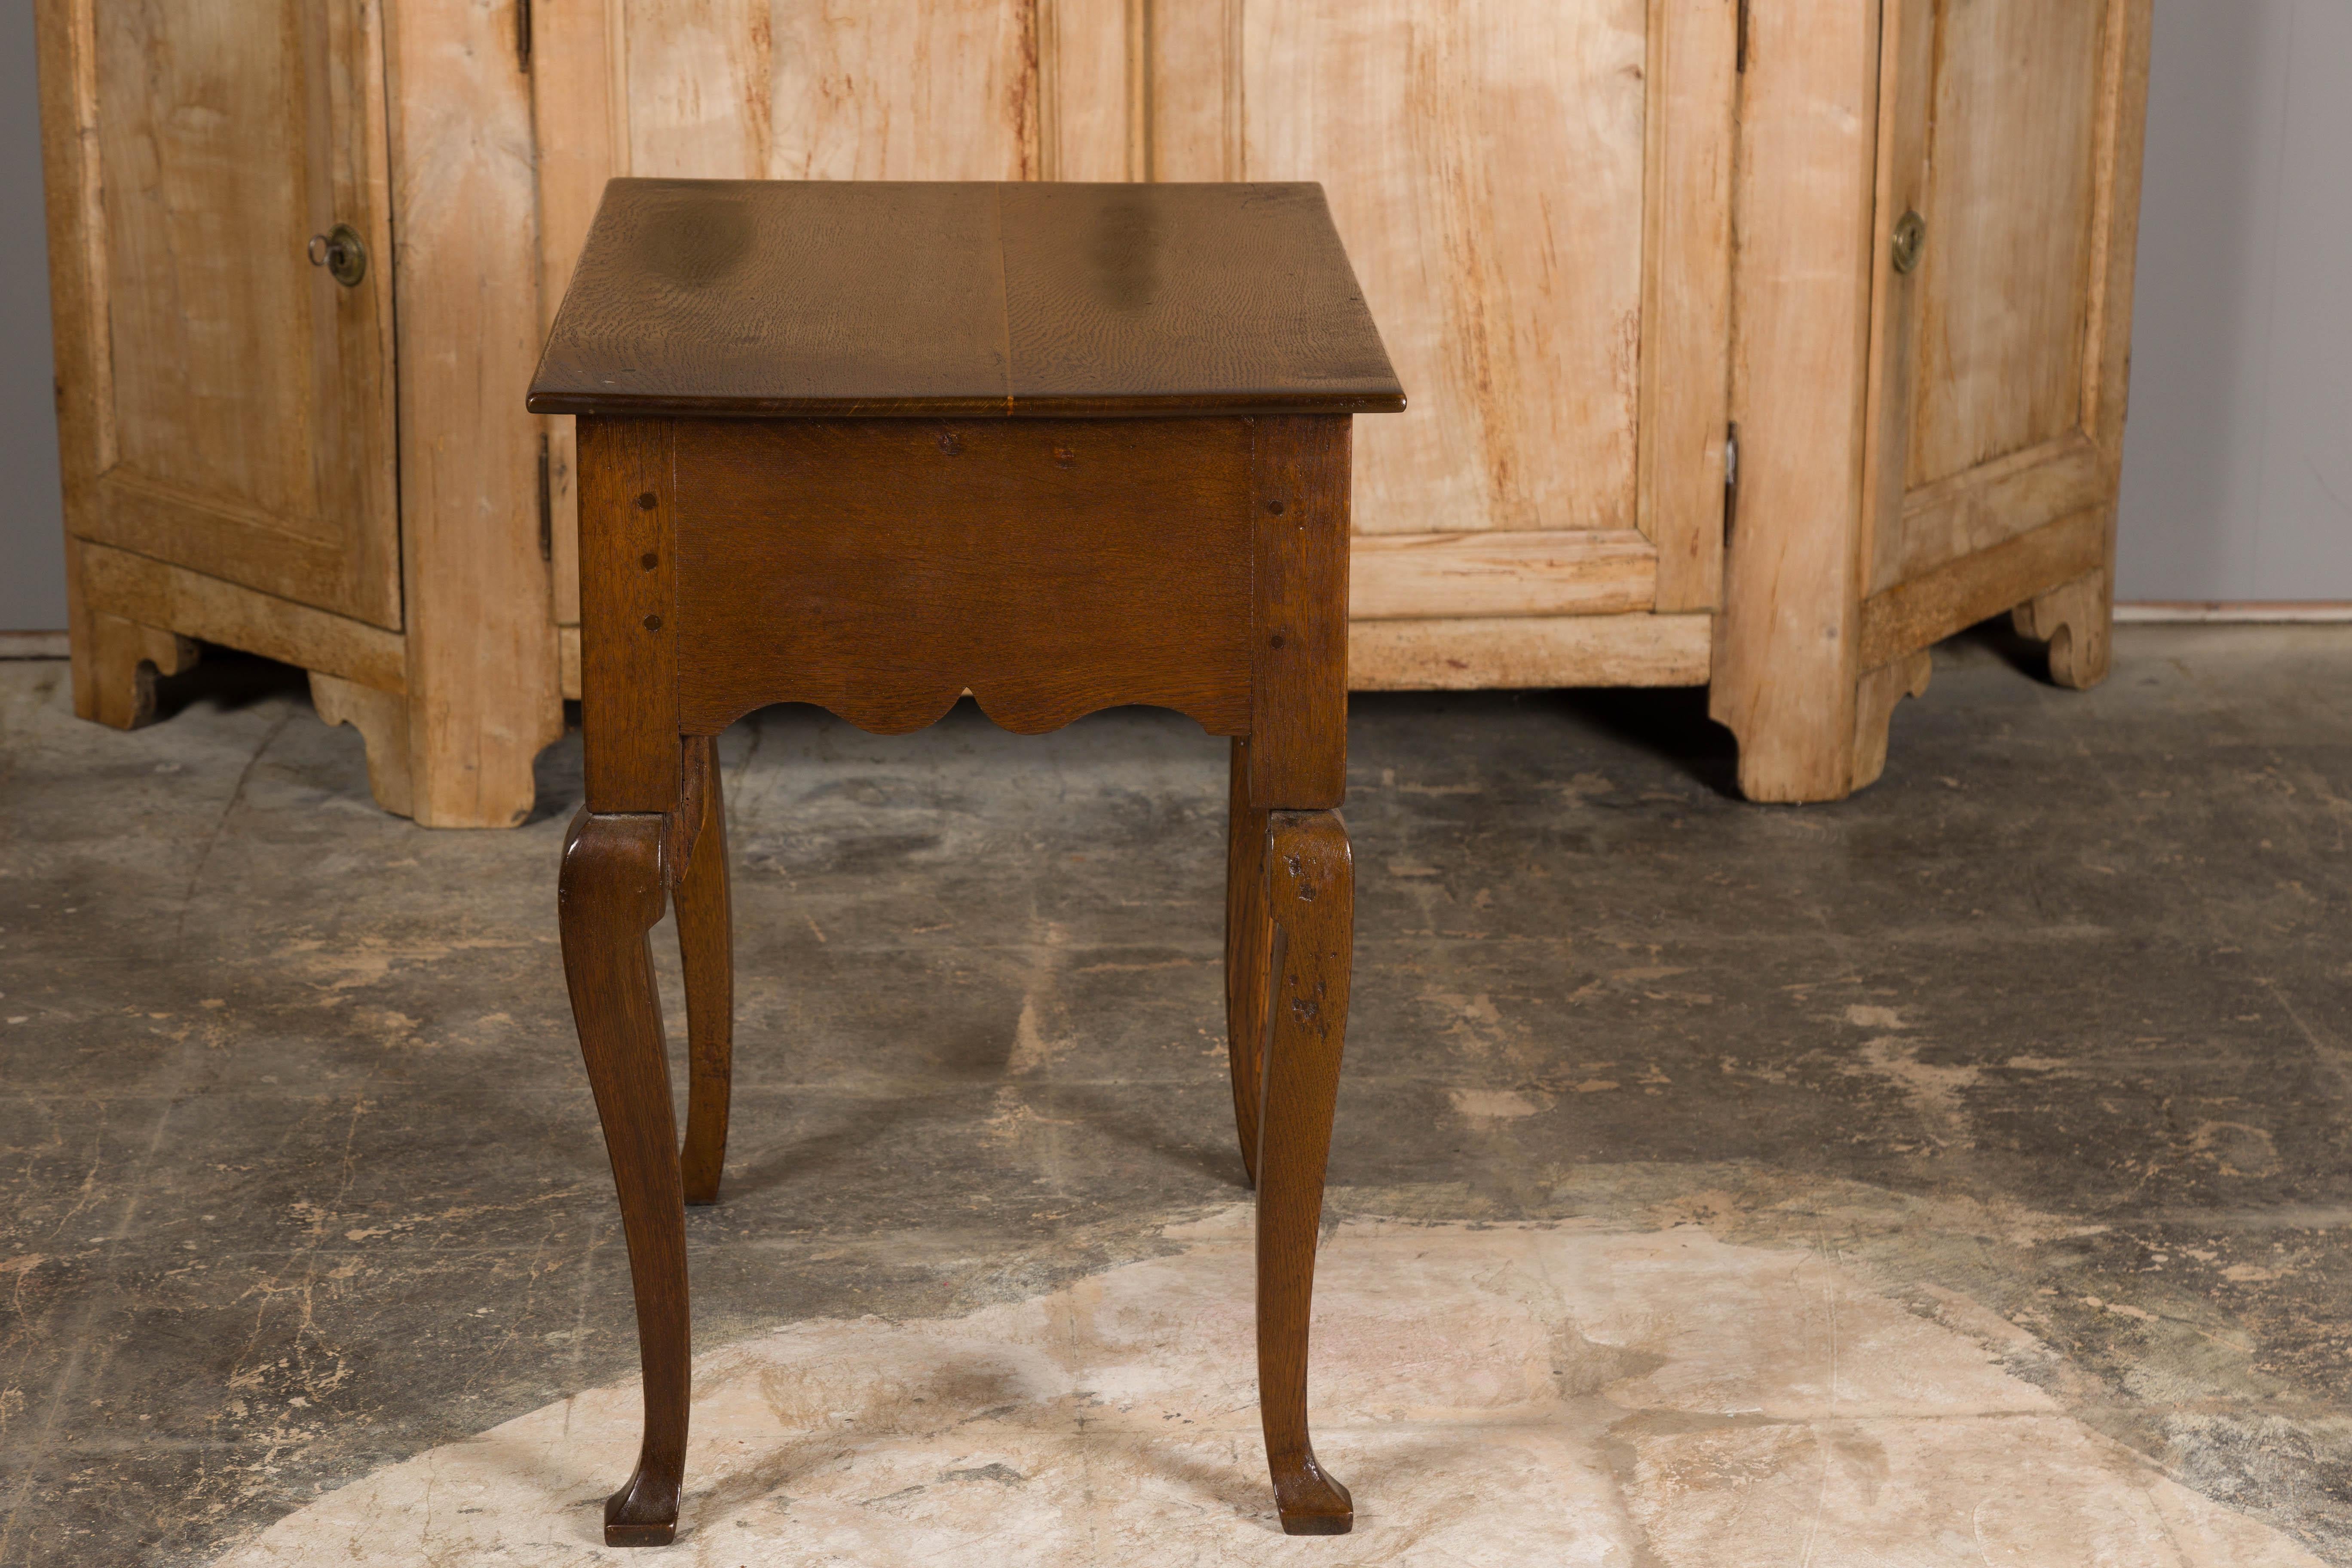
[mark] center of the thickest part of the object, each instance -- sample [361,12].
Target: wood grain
[1994,350]
[482,678]
[1960,593]
[816,90]
[1011,300]
[2123,137]
[2005,282]
[1980,508]
[629,619]
[228,404]
[1311,903]
[880,568]
[609,897]
[1190,298]
[125,661]
[1249,950]
[567,646]
[2076,619]
[1485,165]
[381,720]
[2123,132]
[1992,461]
[1405,577]
[74,195]
[1298,507]
[1784,663]
[157,593]
[1906,97]
[1509,652]
[1873,710]
[706,946]
[728,297]
[1192,128]
[1497,250]
[1093,105]
[1689,125]
[81,644]
[580,131]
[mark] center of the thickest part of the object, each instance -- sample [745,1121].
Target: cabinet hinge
[522,33]
[1742,44]
[546,505]
[1730,481]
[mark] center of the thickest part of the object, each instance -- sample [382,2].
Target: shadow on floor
[1669,724]
[225,680]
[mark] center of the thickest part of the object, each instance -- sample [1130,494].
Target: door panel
[813,89]
[1535,192]
[2002,282]
[2001,132]
[1484,166]
[243,423]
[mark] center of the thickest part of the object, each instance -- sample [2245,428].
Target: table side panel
[879,568]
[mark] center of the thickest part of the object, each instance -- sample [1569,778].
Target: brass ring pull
[341,253]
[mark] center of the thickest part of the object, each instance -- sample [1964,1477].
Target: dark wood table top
[835,298]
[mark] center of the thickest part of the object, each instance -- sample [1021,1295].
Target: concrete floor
[2042,1043]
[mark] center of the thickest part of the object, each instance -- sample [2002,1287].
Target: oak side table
[874,446]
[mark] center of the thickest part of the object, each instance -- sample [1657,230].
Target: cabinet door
[228,403]
[1534,194]
[2008,188]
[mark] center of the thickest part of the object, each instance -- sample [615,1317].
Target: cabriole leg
[609,898]
[1310,896]
[705,945]
[1248,950]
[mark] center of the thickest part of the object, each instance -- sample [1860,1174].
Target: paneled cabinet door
[2007,203]
[228,401]
[1536,196]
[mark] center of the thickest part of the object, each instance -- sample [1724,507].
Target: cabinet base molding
[1958,595]
[1520,652]
[126,658]
[381,720]
[1431,577]
[2076,619]
[1873,710]
[156,593]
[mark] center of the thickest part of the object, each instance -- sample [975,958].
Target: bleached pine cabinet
[1888,242]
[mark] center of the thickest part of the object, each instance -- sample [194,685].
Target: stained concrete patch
[1494,1395]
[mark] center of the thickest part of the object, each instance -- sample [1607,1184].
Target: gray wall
[2238,466]
[2238,473]
[32,547]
